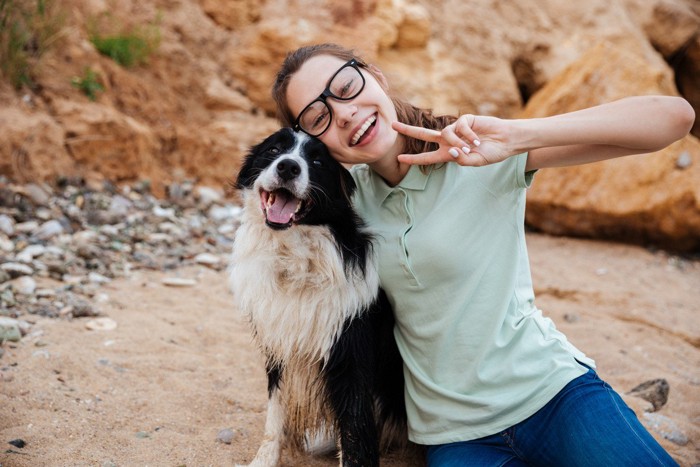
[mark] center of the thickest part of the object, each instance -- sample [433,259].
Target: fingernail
[477,142]
[465,149]
[453,152]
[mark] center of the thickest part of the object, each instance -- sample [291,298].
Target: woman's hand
[471,140]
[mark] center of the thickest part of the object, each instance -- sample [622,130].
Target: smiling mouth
[282,209]
[357,137]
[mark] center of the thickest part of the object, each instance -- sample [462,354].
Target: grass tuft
[128,47]
[27,29]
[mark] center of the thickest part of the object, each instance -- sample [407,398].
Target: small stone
[30,252]
[225,436]
[654,391]
[97,278]
[48,230]
[570,317]
[101,324]
[142,434]
[18,443]
[16,269]
[26,227]
[207,259]
[40,195]
[6,244]
[178,282]
[24,285]
[684,160]
[7,225]
[224,213]
[665,427]
[9,330]
[208,196]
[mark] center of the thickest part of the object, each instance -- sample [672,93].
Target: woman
[489,380]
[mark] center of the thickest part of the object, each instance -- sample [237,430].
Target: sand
[180,365]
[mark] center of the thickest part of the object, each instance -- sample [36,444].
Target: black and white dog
[303,271]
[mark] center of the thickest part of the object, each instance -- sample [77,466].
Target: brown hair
[406,112]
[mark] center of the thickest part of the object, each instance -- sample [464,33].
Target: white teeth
[356,137]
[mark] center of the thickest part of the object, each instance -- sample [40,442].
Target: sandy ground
[180,366]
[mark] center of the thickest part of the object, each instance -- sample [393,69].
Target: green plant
[128,47]
[89,83]
[27,29]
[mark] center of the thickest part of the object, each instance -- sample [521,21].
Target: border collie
[303,272]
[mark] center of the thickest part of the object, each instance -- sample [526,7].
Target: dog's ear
[347,184]
[246,176]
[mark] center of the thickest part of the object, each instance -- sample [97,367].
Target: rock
[206,196]
[30,252]
[665,427]
[684,160]
[178,282]
[207,259]
[9,330]
[32,145]
[225,436]
[18,443]
[641,199]
[25,285]
[219,97]
[7,224]
[39,195]
[654,391]
[16,269]
[49,229]
[101,324]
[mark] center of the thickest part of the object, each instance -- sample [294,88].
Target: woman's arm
[632,125]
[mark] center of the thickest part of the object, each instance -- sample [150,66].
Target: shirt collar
[415,179]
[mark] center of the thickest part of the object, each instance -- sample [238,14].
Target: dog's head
[297,180]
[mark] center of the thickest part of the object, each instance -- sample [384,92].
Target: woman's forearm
[628,126]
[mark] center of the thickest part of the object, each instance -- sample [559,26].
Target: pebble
[7,224]
[207,259]
[16,269]
[225,436]
[85,236]
[49,229]
[684,160]
[9,330]
[26,285]
[654,391]
[178,282]
[101,324]
[665,427]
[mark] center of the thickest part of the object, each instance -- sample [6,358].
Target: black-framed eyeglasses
[345,84]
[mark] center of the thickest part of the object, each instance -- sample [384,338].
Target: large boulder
[651,198]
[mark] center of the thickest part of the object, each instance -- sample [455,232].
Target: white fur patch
[293,287]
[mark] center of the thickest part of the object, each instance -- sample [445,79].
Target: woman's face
[360,130]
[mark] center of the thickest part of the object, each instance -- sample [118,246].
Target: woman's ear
[377,73]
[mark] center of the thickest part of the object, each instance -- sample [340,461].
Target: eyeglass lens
[346,85]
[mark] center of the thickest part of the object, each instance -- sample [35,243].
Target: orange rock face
[202,99]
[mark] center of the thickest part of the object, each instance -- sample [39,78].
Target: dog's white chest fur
[293,286]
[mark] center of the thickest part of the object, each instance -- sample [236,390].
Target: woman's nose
[343,112]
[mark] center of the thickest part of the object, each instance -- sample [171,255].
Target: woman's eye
[346,89]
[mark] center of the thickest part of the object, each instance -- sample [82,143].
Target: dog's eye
[318,162]
[273,150]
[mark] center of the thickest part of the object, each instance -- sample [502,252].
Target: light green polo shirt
[478,355]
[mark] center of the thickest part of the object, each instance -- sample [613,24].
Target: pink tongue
[282,209]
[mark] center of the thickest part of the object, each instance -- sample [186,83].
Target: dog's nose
[288,169]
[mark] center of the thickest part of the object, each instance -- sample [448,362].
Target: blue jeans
[587,424]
